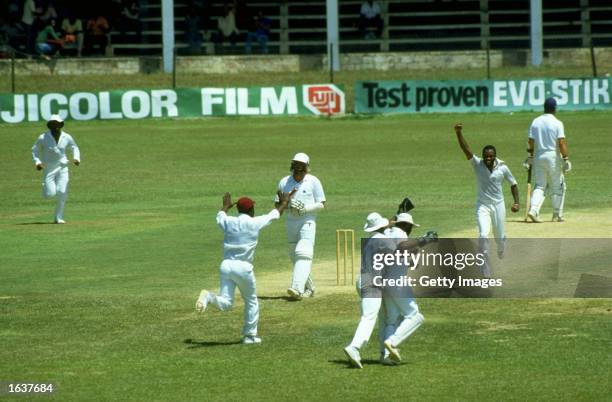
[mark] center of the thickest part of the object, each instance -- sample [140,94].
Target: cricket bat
[528,197]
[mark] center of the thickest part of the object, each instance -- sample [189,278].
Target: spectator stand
[299,26]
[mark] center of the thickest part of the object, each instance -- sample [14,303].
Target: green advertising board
[463,96]
[320,99]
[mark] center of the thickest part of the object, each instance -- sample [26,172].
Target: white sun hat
[406,217]
[374,222]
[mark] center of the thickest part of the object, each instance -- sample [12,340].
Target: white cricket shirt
[241,234]
[545,131]
[309,191]
[490,183]
[54,153]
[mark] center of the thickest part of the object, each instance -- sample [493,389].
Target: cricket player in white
[547,140]
[49,153]
[308,199]
[402,316]
[490,207]
[240,239]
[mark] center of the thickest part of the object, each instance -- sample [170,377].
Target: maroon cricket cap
[245,203]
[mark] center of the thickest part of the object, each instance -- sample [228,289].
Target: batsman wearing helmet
[306,202]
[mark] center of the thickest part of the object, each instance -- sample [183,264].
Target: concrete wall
[297,63]
[415,60]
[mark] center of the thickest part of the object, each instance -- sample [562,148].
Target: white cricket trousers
[238,273]
[401,318]
[55,184]
[488,215]
[548,173]
[301,235]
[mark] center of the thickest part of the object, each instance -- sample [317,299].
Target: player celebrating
[547,137]
[401,313]
[239,242]
[490,207]
[54,161]
[309,199]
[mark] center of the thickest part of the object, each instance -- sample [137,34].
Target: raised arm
[462,142]
[283,200]
[227,202]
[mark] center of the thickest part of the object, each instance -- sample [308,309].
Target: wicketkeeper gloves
[405,206]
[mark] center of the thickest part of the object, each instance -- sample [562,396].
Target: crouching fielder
[490,207]
[239,242]
[403,314]
[54,162]
[308,199]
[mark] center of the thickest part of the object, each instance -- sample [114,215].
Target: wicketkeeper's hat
[406,217]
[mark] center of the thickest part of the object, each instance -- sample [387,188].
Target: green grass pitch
[103,306]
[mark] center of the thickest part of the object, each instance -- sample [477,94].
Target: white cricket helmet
[301,157]
[375,221]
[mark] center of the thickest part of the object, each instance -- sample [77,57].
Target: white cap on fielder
[57,118]
[406,217]
[301,157]
[375,221]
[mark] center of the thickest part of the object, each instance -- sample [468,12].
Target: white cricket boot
[294,294]
[353,355]
[251,340]
[394,353]
[202,301]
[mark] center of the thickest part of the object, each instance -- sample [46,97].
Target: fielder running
[240,239]
[402,316]
[308,199]
[490,207]
[547,139]
[54,161]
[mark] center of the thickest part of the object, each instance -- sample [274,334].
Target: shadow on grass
[203,344]
[35,223]
[286,298]
[365,362]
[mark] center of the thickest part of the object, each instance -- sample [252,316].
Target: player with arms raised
[490,207]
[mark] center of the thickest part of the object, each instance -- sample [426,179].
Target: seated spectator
[48,42]
[227,26]
[72,31]
[193,36]
[259,31]
[97,33]
[129,20]
[370,17]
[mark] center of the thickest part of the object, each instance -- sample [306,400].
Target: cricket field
[103,306]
